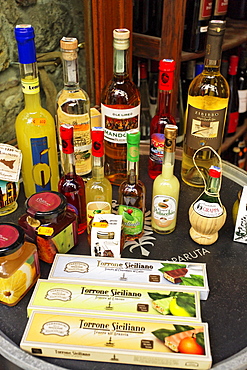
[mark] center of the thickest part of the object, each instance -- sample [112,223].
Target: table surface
[224,310]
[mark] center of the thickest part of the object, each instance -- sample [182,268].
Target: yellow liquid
[166,189]
[204,159]
[36,122]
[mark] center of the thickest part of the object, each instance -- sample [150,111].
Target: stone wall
[51,19]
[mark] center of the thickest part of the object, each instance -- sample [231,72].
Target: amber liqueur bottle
[120,109]
[162,117]
[132,192]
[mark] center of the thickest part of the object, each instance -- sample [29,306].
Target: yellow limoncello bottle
[35,127]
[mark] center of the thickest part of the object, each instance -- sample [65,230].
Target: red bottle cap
[233,65]
[97,134]
[167,65]
[166,74]
[215,172]
[66,134]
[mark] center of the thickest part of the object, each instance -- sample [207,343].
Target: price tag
[39,121]
[100,224]
[44,230]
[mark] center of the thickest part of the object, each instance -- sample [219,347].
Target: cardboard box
[164,274]
[114,339]
[115,300]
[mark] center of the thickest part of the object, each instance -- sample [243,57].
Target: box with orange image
[118,340]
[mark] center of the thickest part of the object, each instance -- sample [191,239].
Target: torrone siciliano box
[117,340]
[165,274]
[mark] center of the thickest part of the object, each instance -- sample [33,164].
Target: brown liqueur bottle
[132,192]
[120,110]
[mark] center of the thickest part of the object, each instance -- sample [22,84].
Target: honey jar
[19,264]
[49,224]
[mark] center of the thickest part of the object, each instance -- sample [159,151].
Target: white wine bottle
[206,110]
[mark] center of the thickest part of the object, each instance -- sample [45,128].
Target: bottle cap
[216,27]
[46,205]
[24,34]
[171,131]
[233,65]
[143,70]
[168,65]
[69,43]
[66,134]
[121,38]
[133,137]
[11,238]
[215,172]
[97,134]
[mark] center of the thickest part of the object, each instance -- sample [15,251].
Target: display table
[224,310]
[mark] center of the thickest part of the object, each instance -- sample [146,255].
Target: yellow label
[43,230]
[30,86]
[100,224]
[39,121]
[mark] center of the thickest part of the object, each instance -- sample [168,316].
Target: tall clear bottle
[166,188]
[132,191]
[145,107]
[120,109]
[206,110]
[98,188]
[35,127]
[71,185]
[162,117]
[73,107]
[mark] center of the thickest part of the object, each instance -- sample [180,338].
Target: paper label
[240,233]
[164,210]
[132,219]
[30,86]
[157,147]
[207,209]
[10,163]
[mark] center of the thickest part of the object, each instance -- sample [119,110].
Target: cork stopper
[68,43]
[121,38]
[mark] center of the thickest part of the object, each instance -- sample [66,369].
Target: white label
[207,209]
[59,294]
[55,328]
[117,122]
[204,29]
[164,210]
[81,267]
[242,101]
[10,163]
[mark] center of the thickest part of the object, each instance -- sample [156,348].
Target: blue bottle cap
[24,34]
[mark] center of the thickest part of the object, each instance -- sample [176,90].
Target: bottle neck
[132,172]
[30,85]
[164,102]
[120,62]
[70,70]
[168,159]
[68,164]
[98,168]
[213,186]
[212,59]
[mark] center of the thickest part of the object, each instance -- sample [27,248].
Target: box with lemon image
[115,300]
[119,339]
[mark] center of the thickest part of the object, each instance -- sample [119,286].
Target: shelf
[230,140]
[149,47]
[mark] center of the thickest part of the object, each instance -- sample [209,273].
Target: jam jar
[49,224]
[19,264]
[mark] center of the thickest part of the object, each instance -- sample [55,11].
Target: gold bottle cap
[68,43]
[121,38]
[171,131]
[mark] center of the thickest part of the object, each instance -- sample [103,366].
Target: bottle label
[205,9]
[41,171]
[116,122]
[242,94]
[233,122]
[30,86]
[97,207]
[220,7]
[157,147]
[207,209]
[204,127]
[81,139]
[132,219]
[166,79]
[164,210]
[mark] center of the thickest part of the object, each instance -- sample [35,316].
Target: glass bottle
[197,16]
[242,85]
[206,111]
[71,185]
[145,108]
[98,188]
[166,188]
[207,214]
[162,117]
[219,9]
[233,103]
[120,109]
[35,127]
[73,107]
[132,192]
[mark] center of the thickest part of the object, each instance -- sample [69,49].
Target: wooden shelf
[230,140]
[149,47]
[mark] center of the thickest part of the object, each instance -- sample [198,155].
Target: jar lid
[11,238]
[46,204]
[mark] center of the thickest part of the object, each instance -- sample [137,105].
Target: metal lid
[11,238]
[216,27]
[24,34]
[46,204]
[171,131]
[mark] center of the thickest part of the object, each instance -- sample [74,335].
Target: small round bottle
[19,264]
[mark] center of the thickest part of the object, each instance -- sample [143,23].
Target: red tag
[66,134]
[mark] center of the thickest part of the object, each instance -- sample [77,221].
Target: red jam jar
[49,224]
[19,264]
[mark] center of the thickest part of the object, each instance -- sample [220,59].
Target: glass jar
[19,264]
[49,224]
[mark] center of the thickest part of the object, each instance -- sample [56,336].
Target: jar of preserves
[19,264]
[49,224]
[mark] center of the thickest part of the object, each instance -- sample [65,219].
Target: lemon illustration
[177,310]
[12,288]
